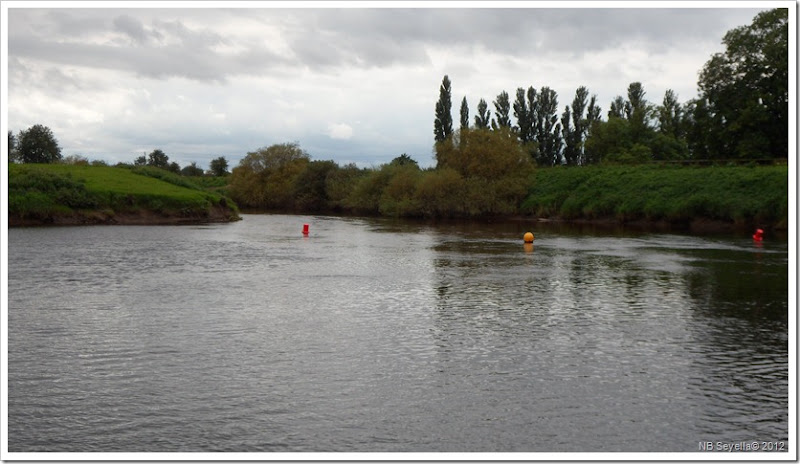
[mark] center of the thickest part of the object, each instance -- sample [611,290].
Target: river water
[386,336]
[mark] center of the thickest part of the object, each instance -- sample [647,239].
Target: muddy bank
[216,214]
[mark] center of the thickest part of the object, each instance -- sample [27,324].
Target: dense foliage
[743,109]
[741,113]
[483,172]
[39,191]
[487,168]
[37,144]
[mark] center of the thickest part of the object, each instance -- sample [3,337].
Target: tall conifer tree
[443,124]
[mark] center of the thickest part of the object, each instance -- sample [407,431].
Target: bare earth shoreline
[216,214]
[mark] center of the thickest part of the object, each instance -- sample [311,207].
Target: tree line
[486,166]
[488,174]
[37,144]
[740,113]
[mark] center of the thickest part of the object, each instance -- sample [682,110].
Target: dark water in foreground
[373,335]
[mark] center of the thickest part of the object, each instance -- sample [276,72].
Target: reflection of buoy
[305,229]
[528,247]
[528,237]
[759,235]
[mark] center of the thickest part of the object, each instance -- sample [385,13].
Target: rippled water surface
[374,335]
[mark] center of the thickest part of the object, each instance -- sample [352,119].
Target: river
[391,336]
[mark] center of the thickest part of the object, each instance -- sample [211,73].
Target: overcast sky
[347,84]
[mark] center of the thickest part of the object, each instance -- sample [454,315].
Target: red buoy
[305,229]
[759,235]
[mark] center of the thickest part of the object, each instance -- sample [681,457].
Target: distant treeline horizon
[741,113]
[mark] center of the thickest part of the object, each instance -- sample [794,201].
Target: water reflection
[638,328]
[381,335]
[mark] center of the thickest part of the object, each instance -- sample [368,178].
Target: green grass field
[738,194]
[43,191]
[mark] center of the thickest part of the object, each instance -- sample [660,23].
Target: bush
[36,192]
[440,193]
[399,198]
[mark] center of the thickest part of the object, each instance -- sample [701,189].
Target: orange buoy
[528,237]
[759,235]
[305,229]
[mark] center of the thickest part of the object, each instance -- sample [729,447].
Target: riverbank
[714,198]
[42,195]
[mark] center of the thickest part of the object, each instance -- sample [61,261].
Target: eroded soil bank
[215,214]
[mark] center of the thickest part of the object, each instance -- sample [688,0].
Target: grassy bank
[739,195]
[69,194]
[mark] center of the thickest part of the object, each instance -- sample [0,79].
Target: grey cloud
[164,49]
[158,44]
[385,36]
[131,27]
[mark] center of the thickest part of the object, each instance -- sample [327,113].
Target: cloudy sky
[348,84]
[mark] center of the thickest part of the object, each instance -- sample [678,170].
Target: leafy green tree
[398,198]
[266,177]
[484,115]
[590,155]
[440,193]
[219,167]
[547,128]
[310,192]
[617,108]
[494,167]
[339,184]
[575,127]
[502,108]
[488,154]
[464,114]
[37,144]
[174,167]
[524,126]
[702,131]
[746,90]
[639,112]
[158,159]
[140,161]
[443,124]
[365,196]
[404,160]
[76,160]
[629,135]
[192,170]
[593,111]
[670,116]
[611,141]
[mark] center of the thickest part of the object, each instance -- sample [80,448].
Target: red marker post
[305,229]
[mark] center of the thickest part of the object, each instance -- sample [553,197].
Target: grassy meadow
[55,192]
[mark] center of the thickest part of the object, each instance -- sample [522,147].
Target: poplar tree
[483,116]
[521,112]
[548,128]
[443,124]
[502,109]
[670,116]
[464,114]
[575,128]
